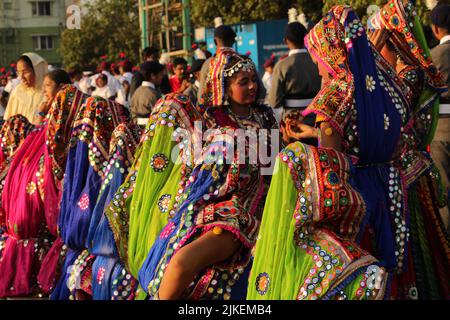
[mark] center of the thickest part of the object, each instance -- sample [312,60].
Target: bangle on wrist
[41,113]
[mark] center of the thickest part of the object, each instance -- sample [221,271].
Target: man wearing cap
[192,91]
[295,82]
[440,147]
[145,97]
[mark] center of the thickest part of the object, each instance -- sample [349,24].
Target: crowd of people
[96,206]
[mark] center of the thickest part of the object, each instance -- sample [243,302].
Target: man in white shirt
[295,82]
[145,97]
[267,77]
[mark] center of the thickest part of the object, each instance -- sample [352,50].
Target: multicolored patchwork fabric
[306,248]
[170,115]
[231,199]
[327,42]
[400,17]
[60,119]
[213,92]
[423,80]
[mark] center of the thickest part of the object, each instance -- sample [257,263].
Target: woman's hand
[300,131]
[42,111]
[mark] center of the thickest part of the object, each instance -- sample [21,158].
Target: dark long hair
[59,76]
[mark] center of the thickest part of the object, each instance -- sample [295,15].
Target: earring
[225,101]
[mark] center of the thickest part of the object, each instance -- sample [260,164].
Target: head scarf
[213,92]
[357,88]
[400,18]
[326,43]
[40,67]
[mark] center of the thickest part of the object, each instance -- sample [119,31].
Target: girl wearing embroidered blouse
[204,250]
[53,82]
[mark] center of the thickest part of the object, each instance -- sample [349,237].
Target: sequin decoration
[413,293]
[100,275]
[396,209]
[159,162]
[167,230]
[262,283]
[31,188]
[164,202]
[370,83]
[386,122]
[83,203]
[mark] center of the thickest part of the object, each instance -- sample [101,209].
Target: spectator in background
[125,68]
[148,93]
[148,54]
[165,83]
[267,77]
[194,77]
[123,95]
[84,83]
[440,147]
[12,81]
[27,96]
[179,82]
[113,83]
[102,90]
[295,82]
[3,83]
[75,77]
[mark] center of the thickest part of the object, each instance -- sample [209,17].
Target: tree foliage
[237,11]
[107,28]
[234,11]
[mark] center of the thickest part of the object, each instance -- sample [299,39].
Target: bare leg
[189,260]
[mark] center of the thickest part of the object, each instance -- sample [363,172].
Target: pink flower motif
[83,203]
[167,230]
[100,275]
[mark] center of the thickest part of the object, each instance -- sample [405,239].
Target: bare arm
[329,137]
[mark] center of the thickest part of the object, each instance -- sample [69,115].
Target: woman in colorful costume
[30,202]
[308,249]
[423,271]
[87,162]
[204,248]
[142,205]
